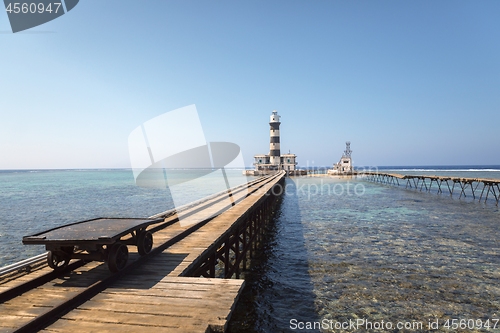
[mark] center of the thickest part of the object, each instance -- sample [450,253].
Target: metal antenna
[347,151]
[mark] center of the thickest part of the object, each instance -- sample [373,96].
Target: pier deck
[161,291]
[141,304]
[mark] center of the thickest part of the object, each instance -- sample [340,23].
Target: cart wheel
[144,242]
[118,256]
[58,260]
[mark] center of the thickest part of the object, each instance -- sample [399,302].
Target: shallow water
[339,250]
[33,201]
[389,254]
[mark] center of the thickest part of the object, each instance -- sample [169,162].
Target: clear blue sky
[407,82]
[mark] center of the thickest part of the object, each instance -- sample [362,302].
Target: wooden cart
[100,239]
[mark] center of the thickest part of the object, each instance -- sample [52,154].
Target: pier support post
[245,238]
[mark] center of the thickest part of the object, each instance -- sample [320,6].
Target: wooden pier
[476,188]
[189,282]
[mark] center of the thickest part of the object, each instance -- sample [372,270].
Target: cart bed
[97,231]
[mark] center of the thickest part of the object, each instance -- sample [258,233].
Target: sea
[341,255]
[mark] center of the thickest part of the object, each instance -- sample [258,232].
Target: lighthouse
[274,146]
[274,161]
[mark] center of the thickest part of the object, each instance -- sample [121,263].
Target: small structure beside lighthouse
[274,161]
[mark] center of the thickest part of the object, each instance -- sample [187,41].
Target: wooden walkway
[162,293]
[141,304]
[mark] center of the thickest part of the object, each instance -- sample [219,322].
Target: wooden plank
[168,301]
[136,309]
[85,325]
[13,321]
[165,284]
[189,310]
[133,319]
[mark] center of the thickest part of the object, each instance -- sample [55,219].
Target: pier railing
[231,253]
[23,265]
[477,188]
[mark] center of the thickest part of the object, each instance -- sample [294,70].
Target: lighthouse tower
[269,163]
[274,146]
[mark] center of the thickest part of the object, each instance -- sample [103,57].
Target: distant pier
[477,188]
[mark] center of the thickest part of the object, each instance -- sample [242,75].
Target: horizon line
[239,168]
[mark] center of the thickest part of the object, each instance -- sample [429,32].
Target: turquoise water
[32,201]
[339,250]
[36,200]
[388,254]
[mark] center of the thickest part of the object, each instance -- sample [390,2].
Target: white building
[344,166]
